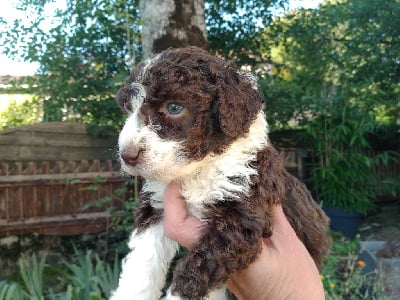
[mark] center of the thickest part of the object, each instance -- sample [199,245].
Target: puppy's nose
[131,155]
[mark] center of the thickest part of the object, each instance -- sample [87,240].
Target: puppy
[195,119]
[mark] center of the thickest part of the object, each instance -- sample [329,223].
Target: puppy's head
[182,105]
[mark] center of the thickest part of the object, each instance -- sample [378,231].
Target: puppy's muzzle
[132,155]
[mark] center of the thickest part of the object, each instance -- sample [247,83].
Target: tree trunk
[172,23]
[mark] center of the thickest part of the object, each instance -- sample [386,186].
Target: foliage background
[91,46]
[332,73]
[305,57]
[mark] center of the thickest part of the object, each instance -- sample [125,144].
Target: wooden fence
[387,179]
[50,172]
[67,197]
[55,141]
[59,196]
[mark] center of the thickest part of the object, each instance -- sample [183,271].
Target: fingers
[179,225]
[175,209]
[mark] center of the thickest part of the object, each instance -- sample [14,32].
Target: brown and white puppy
[197,120]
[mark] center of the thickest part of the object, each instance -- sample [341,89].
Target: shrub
[343,277]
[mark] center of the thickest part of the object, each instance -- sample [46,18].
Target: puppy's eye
[174,109]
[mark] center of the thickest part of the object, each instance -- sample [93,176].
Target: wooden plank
[57,219]
[27,153]
[3,204]
[58,229]
[59,225]
[51,167]
[56,140]
[59,127]
[4,169]
[17,206]
[52,177]
[64,199]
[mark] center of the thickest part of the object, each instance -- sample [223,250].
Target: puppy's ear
[238,101]
[122,98]
[131,89]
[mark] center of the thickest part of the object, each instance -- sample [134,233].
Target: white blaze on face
[160,159]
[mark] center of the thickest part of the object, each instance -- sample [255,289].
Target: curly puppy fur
[197,120]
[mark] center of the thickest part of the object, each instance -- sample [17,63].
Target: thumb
[179,225]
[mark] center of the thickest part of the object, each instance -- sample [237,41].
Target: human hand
[283,270]
[179,225]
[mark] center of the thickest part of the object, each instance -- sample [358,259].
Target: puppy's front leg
[145,267]
[230,242]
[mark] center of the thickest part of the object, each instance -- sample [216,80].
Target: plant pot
[343,221]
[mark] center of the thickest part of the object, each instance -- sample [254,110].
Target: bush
[89,277]
[20,113]
[343,276]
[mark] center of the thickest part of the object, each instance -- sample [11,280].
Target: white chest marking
[210,180]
